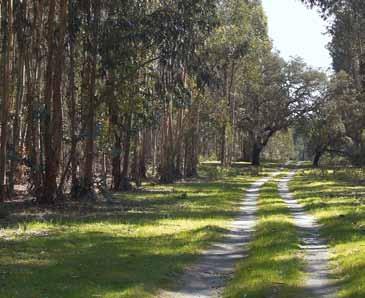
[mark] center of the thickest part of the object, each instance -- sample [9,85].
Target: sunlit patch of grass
[273,267]
[133,247]
[339,207]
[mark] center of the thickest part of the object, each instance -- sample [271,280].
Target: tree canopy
[105,94]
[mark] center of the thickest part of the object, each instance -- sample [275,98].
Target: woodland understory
[102,95]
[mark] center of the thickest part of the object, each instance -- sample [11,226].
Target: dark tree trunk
[192,144]
[124,180]
[143,156]
[116,162]
[17,120]
[223,146]
[91,46]
[256,154]
[317,158]
[167,165]
[136,161]
[179,145]
[53,120]
[75,183]
[191,169]
[32,72]
[6,97]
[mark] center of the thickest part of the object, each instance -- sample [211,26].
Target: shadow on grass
[189,200]
[93,263]
[340,211]
[127,247]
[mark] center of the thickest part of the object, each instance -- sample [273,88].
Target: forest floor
[140,242]
[131,246]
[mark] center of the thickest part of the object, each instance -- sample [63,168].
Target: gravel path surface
[317,257]
[209,275]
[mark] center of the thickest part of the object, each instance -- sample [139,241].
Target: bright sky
[298,31]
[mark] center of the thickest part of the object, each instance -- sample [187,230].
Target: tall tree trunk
[179,144]
[116,161]
[136,161]
[223,145]
[50,182]
[192,143]
[20,32]
[124,181]
[32,140]
[93,23]
[72,89]
[146,143]
[33,63]
[17,117]
[8,48]
[57,128]
[167,162]
[53,99]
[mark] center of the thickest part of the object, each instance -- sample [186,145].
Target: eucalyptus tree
[347,30]
[191,22]
[351,109]
[127,53]
[242,31]
[138,87]
[7,36]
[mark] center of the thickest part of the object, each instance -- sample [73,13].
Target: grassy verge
[338,205]
[131,247]
[273,267]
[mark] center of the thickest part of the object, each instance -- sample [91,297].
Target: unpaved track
[317,257]
[208,276]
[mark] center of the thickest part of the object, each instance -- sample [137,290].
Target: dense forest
[135,88]
[103,94]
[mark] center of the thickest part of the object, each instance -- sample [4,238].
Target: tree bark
[223,157]
[124,180]
[179,144]
[167,163]
[146,143]
[8,48]
[192,142]
[50,182]
[317,158]
[13,173]
[92,50]
[256,154]
[136,161]
[53,100]
[116,161]
[73,151]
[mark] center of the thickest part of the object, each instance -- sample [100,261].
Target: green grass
[273,267]
[131,248]
[338,205]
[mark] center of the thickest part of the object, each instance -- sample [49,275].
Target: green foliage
[280,147]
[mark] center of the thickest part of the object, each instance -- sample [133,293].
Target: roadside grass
[338,204]
[274,266]
[130,247]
